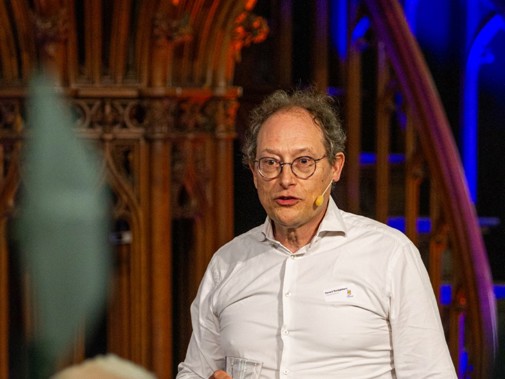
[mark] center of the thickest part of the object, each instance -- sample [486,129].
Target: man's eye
[270,162]
[304,161]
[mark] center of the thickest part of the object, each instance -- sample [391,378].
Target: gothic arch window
[480,53]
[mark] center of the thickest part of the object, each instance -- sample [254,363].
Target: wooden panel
[353,98]
[383,144]
[120,83]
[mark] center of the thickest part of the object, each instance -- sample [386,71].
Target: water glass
[242,368]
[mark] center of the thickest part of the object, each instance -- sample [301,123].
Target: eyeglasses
[301,167]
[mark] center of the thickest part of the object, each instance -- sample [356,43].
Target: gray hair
[319,105]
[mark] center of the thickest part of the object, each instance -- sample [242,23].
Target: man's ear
[254,174]
[338,166]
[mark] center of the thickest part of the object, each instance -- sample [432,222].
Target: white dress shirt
[356,302]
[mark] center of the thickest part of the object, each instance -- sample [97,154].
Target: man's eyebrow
[301,151]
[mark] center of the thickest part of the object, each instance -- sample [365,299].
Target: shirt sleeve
[419,346]
[204,354]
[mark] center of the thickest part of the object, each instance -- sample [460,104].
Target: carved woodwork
[150,85]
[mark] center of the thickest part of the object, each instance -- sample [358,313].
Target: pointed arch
[478,55]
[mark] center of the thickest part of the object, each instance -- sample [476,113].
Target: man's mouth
[286,200]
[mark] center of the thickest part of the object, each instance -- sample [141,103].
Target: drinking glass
[243,368]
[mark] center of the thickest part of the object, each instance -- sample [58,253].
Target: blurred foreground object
[62,230]
[105,367]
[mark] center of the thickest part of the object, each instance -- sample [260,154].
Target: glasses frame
[282,164]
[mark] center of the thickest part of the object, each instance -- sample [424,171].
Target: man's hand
[220,374]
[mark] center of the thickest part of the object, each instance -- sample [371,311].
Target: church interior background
[162,90]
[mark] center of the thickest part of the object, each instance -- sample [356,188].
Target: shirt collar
[332,222]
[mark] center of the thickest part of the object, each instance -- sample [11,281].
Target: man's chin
[286,220]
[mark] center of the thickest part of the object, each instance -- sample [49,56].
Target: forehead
[290,130]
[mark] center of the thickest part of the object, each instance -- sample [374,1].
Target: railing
[386,71]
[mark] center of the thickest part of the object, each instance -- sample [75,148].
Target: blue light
[410,8]
[338,27]
[360,29]
[499,291]
[433,25]
[371,158]
[463,362]
[476,57]
[423,224]
[445,293]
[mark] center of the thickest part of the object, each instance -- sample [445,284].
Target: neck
[294,238]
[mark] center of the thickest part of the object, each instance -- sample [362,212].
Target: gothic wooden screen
[150,84]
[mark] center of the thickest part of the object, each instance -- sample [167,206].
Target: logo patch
[337,294]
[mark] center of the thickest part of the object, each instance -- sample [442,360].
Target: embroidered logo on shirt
[337,294]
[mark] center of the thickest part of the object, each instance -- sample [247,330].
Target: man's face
[287,199]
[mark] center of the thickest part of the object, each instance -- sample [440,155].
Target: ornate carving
[119,111]
[108,115]
[119,123]
[248,28]
[11,122]
[51,29]
[216,115]
[176,31]
[191,118]
[11,132]
[160,117]
[124,157]
[221,114]
[190,179]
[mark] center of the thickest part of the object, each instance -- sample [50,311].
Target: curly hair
[319,105]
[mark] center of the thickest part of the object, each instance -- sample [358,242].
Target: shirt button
[293,257]
[285,331]
[288,293]
[285,371]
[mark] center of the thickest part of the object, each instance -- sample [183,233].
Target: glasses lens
[269,167]
[303,167]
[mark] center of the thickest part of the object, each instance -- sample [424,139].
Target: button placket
[289,283]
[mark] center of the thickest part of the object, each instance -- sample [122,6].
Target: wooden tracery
[150,84]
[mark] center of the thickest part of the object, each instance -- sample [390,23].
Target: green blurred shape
[63,226]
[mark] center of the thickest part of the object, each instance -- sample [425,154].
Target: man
[314,292]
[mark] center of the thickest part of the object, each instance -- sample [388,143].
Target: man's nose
[286,176]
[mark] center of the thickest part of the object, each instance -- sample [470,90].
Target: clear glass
[243,368]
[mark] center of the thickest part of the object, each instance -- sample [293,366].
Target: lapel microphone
[319,200]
